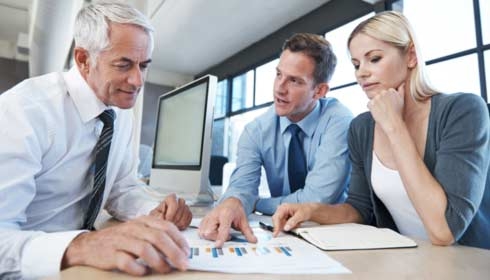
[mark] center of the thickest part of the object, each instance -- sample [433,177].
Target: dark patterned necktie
[101,155]
[296,160]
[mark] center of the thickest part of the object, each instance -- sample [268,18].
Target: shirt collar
[307,124]
[87,103]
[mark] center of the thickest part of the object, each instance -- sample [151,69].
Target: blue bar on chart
[285,251]
[241,251]
[238,252]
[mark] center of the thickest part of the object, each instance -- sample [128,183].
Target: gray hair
[92,25]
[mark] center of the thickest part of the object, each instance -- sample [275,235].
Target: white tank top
[388,186]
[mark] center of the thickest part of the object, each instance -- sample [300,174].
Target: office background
[240,42]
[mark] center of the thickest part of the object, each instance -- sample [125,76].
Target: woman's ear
[411,56]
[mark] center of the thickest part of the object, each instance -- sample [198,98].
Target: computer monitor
[182,145]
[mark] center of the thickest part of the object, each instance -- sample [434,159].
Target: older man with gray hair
[64,155]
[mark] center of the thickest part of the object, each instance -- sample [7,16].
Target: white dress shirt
[48,131]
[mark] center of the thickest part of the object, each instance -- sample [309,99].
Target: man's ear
[321,90]
[82,60]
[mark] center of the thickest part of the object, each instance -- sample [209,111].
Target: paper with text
[282,255]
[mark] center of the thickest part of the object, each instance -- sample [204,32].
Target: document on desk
[285,254]
[352,236]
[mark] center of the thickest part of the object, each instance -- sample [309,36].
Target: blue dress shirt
[265,141]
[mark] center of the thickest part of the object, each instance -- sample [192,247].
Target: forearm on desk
[334,214]
[33,254]
[128,203]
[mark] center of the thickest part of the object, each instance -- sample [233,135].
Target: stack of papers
[282,255]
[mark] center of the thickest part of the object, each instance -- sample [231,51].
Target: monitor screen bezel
[170,94]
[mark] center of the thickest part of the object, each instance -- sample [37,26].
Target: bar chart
[240,251]
[281,255]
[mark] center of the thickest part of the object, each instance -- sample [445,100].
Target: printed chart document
[352,236]
[286,254]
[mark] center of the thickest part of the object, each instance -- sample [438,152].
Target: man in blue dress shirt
[305,66]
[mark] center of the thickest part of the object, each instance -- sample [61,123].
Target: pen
[271,229]
[266,227]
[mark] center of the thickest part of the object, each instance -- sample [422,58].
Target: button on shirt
[265,141]
[48,130]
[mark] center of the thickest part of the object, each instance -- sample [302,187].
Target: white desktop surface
[424,262]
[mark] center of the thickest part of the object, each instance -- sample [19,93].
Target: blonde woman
[420,158]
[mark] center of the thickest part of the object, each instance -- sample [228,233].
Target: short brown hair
[319,49]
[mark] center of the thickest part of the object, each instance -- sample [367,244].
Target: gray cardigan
[457,153]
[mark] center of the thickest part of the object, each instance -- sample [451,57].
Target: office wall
[12,72]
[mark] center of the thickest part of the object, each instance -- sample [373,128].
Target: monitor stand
[206,198]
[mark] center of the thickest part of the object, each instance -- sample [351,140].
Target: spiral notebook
[353,236]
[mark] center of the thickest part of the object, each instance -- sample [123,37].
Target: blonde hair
[393,28]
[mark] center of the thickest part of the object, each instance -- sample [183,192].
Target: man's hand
[173,210]
[217,224]
[156,242]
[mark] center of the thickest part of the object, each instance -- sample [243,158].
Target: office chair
[216,169]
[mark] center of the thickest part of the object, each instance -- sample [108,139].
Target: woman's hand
[387,108]
[289,216]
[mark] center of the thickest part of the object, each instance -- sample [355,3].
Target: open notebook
[353,237]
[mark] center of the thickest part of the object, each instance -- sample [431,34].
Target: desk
[424,262]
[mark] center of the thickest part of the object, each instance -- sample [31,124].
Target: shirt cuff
[146,208]
[43,254]
[247,207]
[267,206]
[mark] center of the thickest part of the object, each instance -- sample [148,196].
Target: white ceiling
[193,35]
[190,35]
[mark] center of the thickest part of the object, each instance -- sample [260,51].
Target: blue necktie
[101,155]
[296,160]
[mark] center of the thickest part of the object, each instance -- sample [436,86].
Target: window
[218,145]
[487,71]
[451,21]
[344,72]
[353,97]
[264,83]
[236,126]
[221,99]
[451,56]
[485,23]
[451,72]
[456,75]
[242,91]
